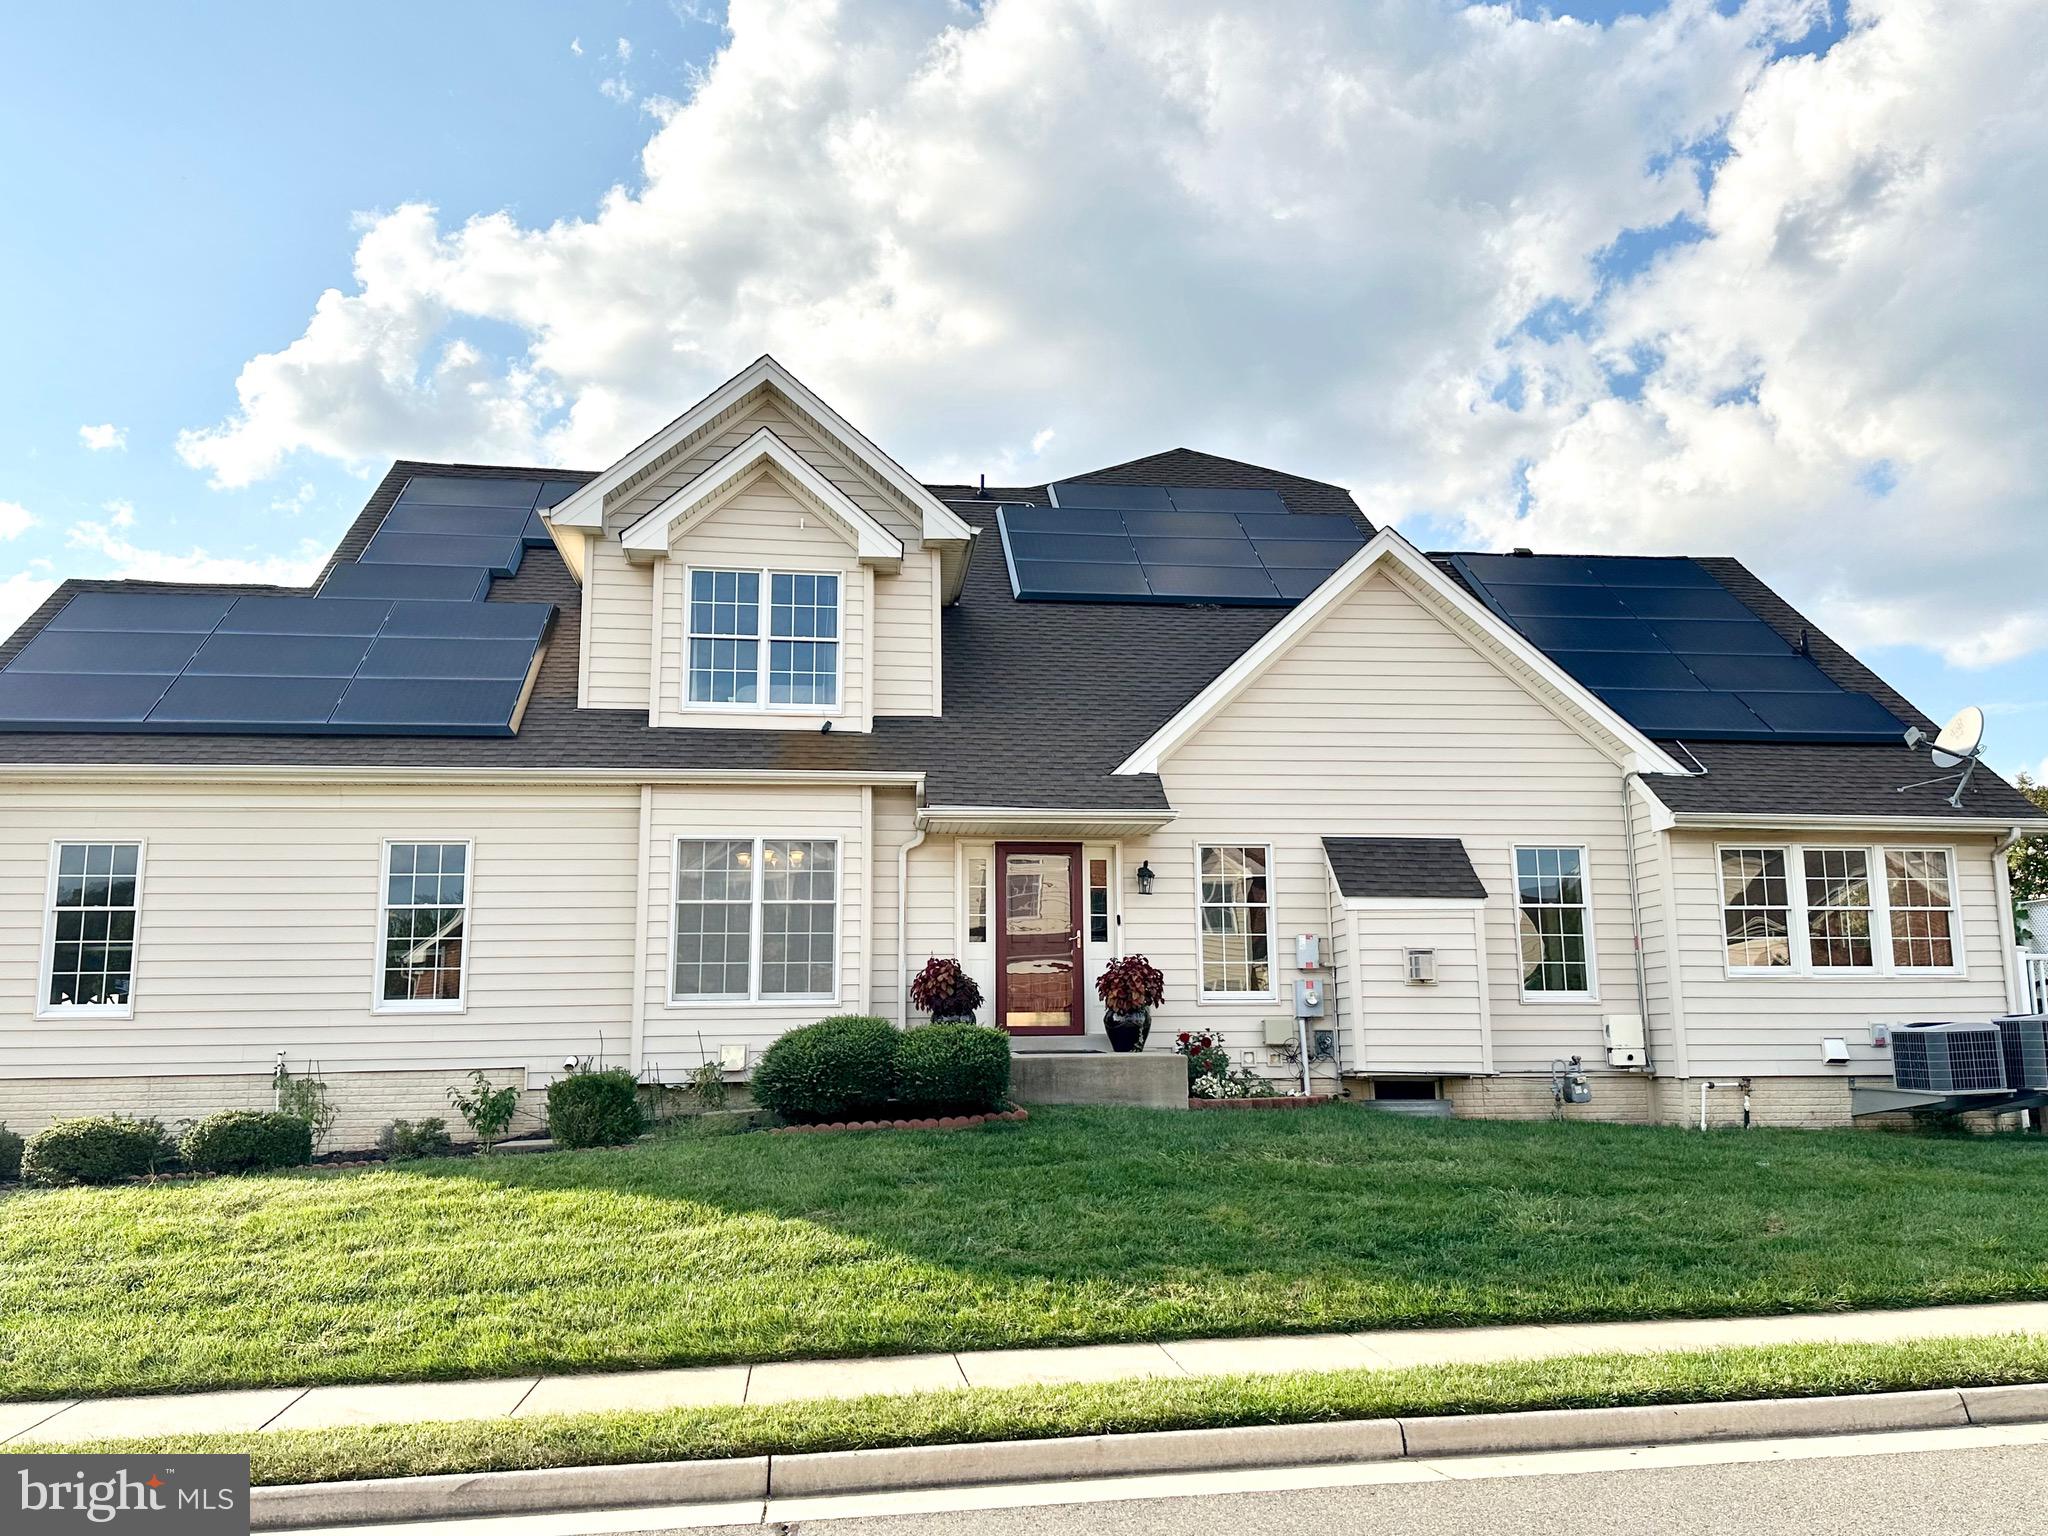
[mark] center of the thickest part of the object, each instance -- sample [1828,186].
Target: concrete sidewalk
[278,1408]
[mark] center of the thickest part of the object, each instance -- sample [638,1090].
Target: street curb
[811,1474]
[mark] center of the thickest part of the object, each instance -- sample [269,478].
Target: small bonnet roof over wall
[400,642]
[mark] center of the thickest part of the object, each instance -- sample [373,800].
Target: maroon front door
[1038,939]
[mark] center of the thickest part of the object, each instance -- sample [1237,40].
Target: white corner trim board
[1388,547]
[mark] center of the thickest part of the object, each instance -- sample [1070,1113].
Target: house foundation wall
[364,1102]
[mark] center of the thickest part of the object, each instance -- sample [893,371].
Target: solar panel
[1054,581]
[154,612]
[440,583]
[485,522]
[536,532]
[305,616]
[554,492]
[1213,584]
[1224,499]
[1182,525]
[463,491]
[499,555]
[246,704]
[1298,554]
[399,707]
[280,656]
[426,660]
[1078,493]
[1148,554]
[108,652]
[470,621]
[1089,548]
[34,700]
[1235,553]
[1671,649]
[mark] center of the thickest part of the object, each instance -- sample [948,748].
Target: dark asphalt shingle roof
[1042,700]
[1403,869]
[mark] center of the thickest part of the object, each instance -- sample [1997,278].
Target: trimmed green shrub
[841,1068]
[595,1109]
[239,1140]
[414,1138]
[953,1067]
[95,1149]
[10,1153]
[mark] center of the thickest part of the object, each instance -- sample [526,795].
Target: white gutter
[903,929]
[1904,823]
[315,773]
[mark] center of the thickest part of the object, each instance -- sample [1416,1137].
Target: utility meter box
[1308,997]
[1280,1032]
[1625,1046]
[1308,952]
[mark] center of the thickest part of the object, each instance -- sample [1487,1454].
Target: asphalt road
[1927,1493]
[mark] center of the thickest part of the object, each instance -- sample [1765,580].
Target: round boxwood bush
[960,1067]
[240,1140]
[95,1149]
[841,1068]
[595,1109]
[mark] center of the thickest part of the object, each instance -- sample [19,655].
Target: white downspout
[1704,1087]
[903,929]
[1635,926]
[638,1047]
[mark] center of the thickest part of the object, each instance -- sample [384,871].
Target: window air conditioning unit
[2025,1037]
[1421,967]
[1949,1058]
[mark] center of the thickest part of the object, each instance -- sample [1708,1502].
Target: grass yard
[1079,1226]
[1121,1407]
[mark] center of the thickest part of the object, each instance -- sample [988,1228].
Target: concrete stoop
[1024,1461]
[1138,1079]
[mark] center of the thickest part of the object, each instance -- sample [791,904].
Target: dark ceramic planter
[1127,1031]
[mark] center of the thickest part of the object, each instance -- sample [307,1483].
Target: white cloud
[20,595]
[103,438]
[296,504]
[615,89]
[576,46]
[1308,233]
[15,520]
[121,513]
[129,560]
[622,50]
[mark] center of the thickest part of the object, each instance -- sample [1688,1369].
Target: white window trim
[45,1009]
[1204,998]
[762,640]
[378,1002]
[1881,966]
[1539,999]
[754,997]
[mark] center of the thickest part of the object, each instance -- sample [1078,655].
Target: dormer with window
[760,564]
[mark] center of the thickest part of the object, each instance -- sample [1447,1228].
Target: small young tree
[307,1098]
[488,1110]
[2030,858]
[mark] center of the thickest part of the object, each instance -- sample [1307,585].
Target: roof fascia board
[1692,821]
[1044,813]
[585,508]
[654,532]
[1389,547]
[303,773]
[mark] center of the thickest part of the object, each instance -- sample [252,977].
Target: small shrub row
[856,1067]
[595,1109]
[10,1153]
[244,1140]
[415,1138]
[95,1149]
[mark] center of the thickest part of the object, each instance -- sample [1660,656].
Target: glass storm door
[1038,938]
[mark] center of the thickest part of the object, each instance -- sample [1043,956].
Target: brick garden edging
[1277,1101]
[941,1123]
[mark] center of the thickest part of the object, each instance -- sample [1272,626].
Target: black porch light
[1144,879]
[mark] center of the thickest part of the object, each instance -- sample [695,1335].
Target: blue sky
[194,187]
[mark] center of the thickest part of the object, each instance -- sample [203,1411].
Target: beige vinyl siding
[933,909]
[617,631]
[907,637]
[260,920]
[1384,721]
[756,810]
[1664,1019]
[1428,1031]
[1774,1025]
[763,527]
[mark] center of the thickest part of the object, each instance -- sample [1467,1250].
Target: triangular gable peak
[1390,553]
[650,537]
[939,525]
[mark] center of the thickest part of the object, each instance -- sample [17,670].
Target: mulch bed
[941,1123]
[1281,1101]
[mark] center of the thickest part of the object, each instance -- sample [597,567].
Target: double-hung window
[745,653]
[1236,917]
[756,919]
[1552,912]
[89,954]
[1830,910]
[426,927]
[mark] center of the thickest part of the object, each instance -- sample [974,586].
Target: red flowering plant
[1130,985]
[945,991]
[1205,1054]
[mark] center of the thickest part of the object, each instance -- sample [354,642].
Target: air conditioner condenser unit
[2025,1038]
[1949,1058]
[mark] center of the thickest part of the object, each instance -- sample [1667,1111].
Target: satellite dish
[1961,739]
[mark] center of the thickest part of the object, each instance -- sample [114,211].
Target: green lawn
[1081,1225]
[1120,1407]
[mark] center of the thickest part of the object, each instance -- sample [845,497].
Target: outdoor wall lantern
[1144,879]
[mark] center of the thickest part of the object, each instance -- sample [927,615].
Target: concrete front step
[1141,1079]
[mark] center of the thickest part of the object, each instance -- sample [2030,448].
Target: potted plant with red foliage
[946,992]
[1130,989]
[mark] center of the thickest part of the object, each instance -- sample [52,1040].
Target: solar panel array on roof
[1148,544]
[1671,649]
[399,643]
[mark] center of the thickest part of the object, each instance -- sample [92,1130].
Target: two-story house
[656,763]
